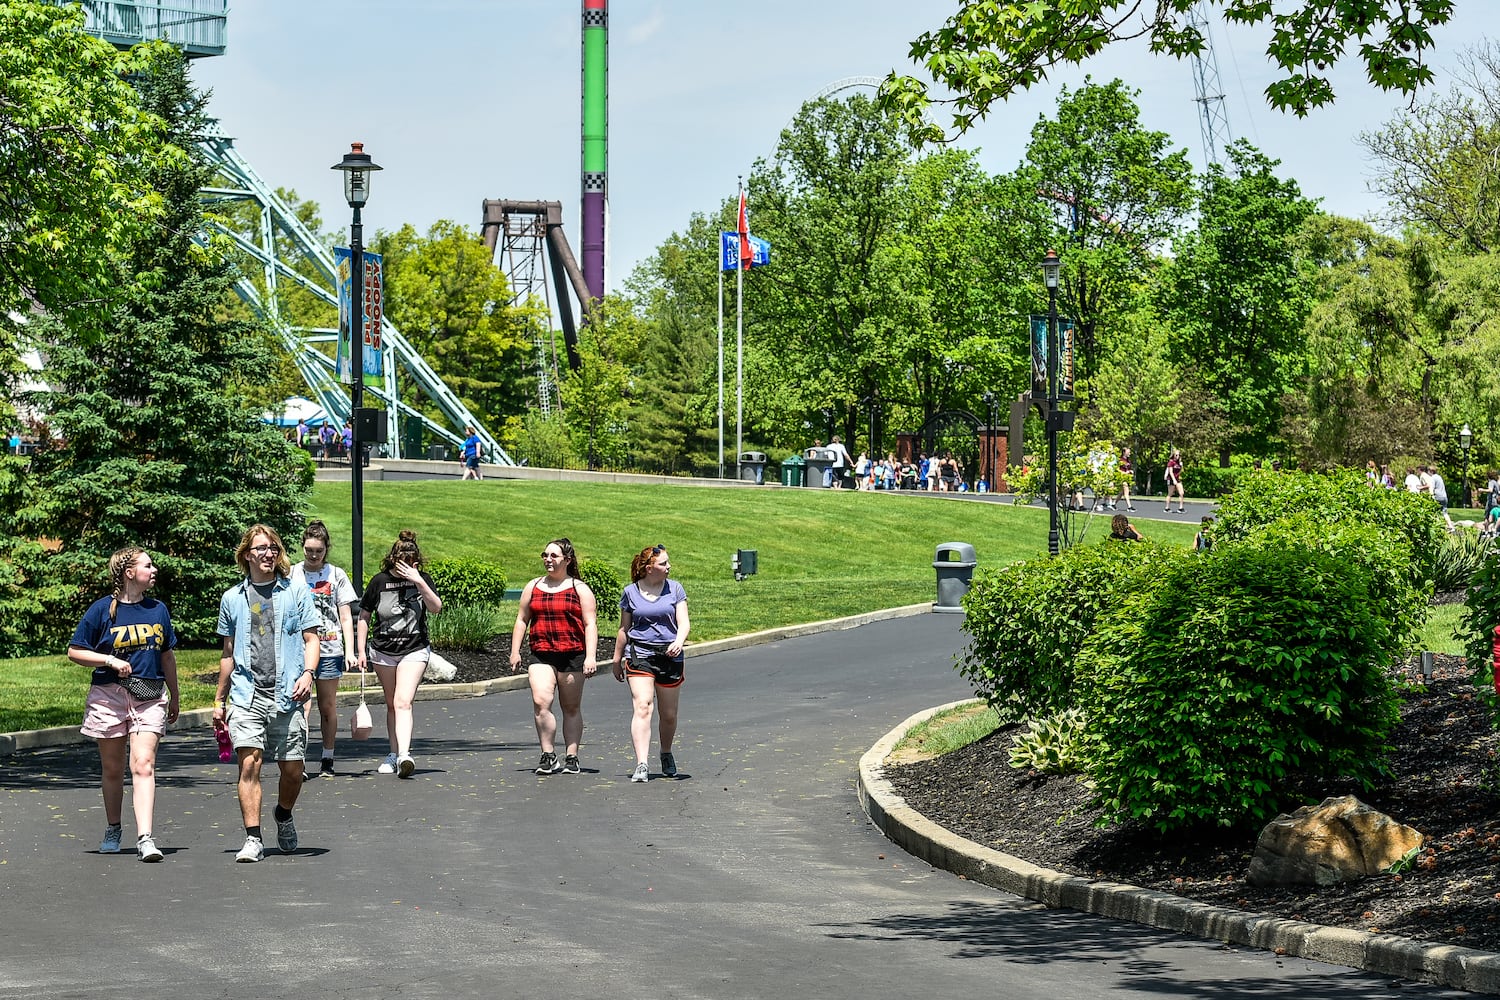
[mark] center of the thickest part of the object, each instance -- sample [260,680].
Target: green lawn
[822,554]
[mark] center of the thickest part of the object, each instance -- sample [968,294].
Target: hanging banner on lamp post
[371,354]
[1066,355]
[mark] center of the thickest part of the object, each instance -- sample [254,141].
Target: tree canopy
[989,50]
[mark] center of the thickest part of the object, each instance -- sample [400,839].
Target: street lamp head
[357,168]
[1465,437]
[1050,268]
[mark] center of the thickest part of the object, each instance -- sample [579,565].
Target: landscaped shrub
[1477,630]
[605,584]
[467,581]
[1027,621]
[1211,480]
[466,626]
[1243,667]
[1333,498]
[1459,558]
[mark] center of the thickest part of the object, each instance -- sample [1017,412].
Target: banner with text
[1039,357]
[371,356]
[729,251]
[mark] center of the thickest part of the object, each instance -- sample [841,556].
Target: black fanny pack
[142,688]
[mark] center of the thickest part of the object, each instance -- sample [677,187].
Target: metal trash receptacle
[819,466]
[437,453]
[793,470]
[954,562]
[753,467]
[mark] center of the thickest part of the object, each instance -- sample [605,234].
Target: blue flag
[729,251]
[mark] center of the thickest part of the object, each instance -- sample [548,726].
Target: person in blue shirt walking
[471,455]
[270,628]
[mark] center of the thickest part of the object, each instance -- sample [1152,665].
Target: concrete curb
[39,739]
[1387,954]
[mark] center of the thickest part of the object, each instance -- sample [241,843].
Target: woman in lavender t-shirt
[648,652]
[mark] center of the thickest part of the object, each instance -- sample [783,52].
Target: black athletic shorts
[666,670]
[563,663]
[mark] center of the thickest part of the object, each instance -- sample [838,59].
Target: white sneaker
[388,766]
[146,848]
[111,842]
[642,773]
[252,852]
[405,766]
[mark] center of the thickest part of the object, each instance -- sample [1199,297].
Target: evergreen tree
[156,442]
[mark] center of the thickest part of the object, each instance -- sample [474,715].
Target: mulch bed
[1445,782]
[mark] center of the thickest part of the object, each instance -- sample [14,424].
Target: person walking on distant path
[127,639]
[1174,481]
[399,599]
[648,652]
[269,627]
[559,611]
[471,455]
[333,596]
[1127,470]
[841,461]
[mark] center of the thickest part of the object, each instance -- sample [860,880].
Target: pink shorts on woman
[111,712]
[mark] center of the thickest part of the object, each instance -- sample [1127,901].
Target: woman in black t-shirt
[399,599]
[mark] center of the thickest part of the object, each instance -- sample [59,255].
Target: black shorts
[665,670]
[563,663]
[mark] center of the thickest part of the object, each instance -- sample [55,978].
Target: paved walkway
[757,876]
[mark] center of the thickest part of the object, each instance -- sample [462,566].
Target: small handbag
[360,723]
[141,688]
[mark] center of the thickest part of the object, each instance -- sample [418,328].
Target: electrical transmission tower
[1213,117]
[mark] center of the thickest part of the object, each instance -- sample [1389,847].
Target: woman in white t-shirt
[334,597]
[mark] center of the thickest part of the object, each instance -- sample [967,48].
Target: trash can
[753,467]
[819,466]
[792,471]
[437,453]
[954,562]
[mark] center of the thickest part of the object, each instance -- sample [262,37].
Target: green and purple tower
[595,143]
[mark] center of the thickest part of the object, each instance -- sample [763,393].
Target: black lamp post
[358,170]
[1466,438]
[1050,268]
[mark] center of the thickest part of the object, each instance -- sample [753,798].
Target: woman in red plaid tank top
[559,611]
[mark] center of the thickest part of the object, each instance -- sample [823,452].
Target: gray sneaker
[388,766]
[570,764]
[111,842]
[286,835]
[548,764]
[642,773]
[668,764]
[252,852]
[146,849]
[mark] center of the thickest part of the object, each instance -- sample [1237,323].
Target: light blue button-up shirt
[294,612]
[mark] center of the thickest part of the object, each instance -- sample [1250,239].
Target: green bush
[467,581]
[1477,630]
[1212,481]
[605,584]
[1245,667]
[466,626]
[1459,558]
[1027,621]
[1333,498]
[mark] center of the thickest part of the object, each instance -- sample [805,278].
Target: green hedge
[467,581]
[605,584]
[1212,481]
[1250,665]
[1477,630]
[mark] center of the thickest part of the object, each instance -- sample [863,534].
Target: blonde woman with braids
[398,600]
[648,653]
[127,639]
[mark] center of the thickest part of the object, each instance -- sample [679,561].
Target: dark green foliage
[157,444]
[1212,481]
[1250,665]
[467,581]
[606,585]
[1458,559]
[468,627]
[1028,621]
[1477,629]
[1334,498]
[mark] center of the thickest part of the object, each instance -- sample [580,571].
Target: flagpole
[739,340]
[719,266]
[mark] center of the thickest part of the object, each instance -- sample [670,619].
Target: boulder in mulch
[1338,840]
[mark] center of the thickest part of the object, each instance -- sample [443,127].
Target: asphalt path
[755,875]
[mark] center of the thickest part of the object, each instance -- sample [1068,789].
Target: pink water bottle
[226,749]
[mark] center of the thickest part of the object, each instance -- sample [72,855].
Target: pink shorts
[111,713]
[386,660]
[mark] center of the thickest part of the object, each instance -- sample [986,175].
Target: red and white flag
[747,253]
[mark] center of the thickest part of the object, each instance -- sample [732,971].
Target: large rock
[1338,840]
[439,669]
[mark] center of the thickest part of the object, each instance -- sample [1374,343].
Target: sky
[463,100]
